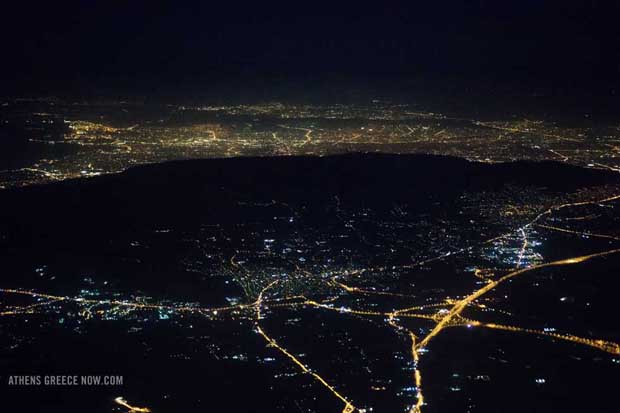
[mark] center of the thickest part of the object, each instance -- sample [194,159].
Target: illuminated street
[363,292]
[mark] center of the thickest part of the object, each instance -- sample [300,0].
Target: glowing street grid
[77,139]
[383,296]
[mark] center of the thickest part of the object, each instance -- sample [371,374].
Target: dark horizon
[450,48]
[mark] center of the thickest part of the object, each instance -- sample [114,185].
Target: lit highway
[448,312]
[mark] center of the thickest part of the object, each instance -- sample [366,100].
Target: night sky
[152,47]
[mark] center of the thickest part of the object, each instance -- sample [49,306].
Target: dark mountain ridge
[186,193]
